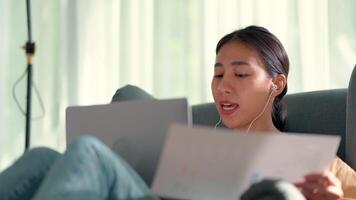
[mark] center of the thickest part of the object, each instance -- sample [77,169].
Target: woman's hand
[323,186]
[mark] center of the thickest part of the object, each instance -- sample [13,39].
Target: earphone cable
[264,109]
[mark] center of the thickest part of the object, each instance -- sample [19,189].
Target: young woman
[250,80]
[249,83]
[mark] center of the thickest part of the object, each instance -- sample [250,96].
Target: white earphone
[274,87]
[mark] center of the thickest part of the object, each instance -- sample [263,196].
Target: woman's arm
[347,176]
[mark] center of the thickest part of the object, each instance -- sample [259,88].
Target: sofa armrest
[351,122]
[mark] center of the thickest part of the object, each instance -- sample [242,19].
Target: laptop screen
[136,130]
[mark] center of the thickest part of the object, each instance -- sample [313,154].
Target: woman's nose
[225,86]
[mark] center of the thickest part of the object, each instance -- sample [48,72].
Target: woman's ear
[280,81]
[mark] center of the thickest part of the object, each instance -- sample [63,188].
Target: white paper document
[202,163]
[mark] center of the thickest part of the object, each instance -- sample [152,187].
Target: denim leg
[21,180]
[89,170]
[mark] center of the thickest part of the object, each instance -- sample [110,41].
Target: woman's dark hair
[274,57]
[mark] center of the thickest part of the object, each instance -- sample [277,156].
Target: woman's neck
[263,124]
[266,129]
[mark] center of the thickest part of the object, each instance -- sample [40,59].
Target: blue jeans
[23,178]
[88,170]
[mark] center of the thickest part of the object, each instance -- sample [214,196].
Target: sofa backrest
[322,112]
[351,122]
[330,112]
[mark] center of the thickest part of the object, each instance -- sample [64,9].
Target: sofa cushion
[321,112]
[205,114]
[130,92]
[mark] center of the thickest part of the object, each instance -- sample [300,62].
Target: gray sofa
[331,112]
[325,112]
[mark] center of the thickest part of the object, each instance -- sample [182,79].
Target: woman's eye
[241,75]
[218,76]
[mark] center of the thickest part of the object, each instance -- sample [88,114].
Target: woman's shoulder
[339,165]
[346,175]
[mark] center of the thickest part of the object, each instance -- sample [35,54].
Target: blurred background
[86,49]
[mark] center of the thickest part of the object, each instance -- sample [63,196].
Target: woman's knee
[85,142]
[25,175]
[36,158]
[91,148]
[87,146]
[41,153]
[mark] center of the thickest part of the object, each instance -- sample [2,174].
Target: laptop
[130,128]
[203,163]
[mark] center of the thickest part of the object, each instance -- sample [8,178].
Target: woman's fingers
[321,186]
[315,191]
[326,179]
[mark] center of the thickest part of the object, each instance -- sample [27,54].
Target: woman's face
[240,85]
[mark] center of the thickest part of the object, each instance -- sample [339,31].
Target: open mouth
[228,108]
